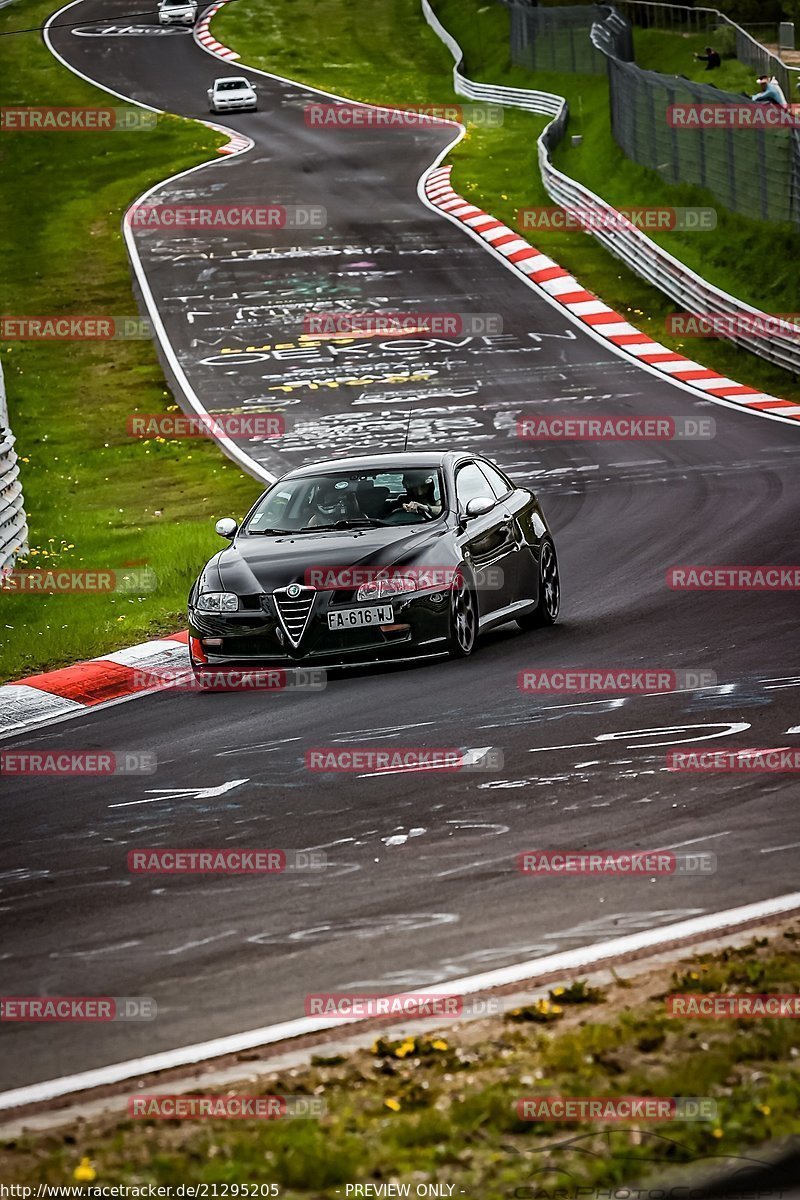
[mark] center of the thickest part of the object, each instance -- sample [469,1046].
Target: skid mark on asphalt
[216,937]
[361,929]
[586,933]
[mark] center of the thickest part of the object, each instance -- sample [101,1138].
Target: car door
[488,544]
[520,505]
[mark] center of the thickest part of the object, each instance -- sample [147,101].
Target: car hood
[261,564]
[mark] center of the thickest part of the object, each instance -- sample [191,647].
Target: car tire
[547,606]
[462,627]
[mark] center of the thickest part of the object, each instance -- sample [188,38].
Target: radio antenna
[408,429]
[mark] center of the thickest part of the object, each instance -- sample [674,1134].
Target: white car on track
[232,94]
[177,12]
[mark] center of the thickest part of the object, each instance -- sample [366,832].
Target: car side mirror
[226,527]
[479,506]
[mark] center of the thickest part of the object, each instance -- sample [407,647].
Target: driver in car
[327,505]
[420,495]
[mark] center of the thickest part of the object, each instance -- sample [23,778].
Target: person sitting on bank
[711,58]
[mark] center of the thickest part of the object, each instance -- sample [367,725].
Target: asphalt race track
[421,884]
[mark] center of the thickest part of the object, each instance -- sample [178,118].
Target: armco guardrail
[644,256]
[13,524]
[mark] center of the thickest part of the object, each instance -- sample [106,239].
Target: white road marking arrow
[201,793]
[469,757]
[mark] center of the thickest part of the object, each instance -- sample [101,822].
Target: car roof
[410,460]
[231,79]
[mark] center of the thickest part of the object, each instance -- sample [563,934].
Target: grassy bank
[444,1108]
[382,51]
[95,499]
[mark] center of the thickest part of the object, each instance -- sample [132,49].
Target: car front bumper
[233,105]
[252,638]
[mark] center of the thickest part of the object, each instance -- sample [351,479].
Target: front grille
[294,610]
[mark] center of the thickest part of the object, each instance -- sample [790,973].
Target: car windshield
[231,85]
[349,500]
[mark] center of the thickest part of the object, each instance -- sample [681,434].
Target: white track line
[235,452]
[564,962]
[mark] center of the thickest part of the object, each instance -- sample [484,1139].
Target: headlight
[217,602]
[396,585]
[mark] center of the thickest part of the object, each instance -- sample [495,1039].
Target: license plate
[356,618]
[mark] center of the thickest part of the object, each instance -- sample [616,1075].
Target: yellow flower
[559,991]
[439,1044]
[84,1172]
[393,1104]
[404,1048]
[764,1108]
[717,1133]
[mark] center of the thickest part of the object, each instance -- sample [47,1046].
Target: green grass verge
[95,499]
[382,51]
[443,1107]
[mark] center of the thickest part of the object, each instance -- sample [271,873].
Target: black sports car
[391,556]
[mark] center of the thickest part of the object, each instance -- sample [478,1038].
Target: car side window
[471,483]
[500,485]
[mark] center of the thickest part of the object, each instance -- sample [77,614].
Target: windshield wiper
[355,523]
[272,532]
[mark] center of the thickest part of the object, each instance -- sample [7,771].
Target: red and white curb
[236,144]
[85,685]
[593,312]
[202,34]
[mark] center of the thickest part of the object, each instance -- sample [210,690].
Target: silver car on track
[234,93]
